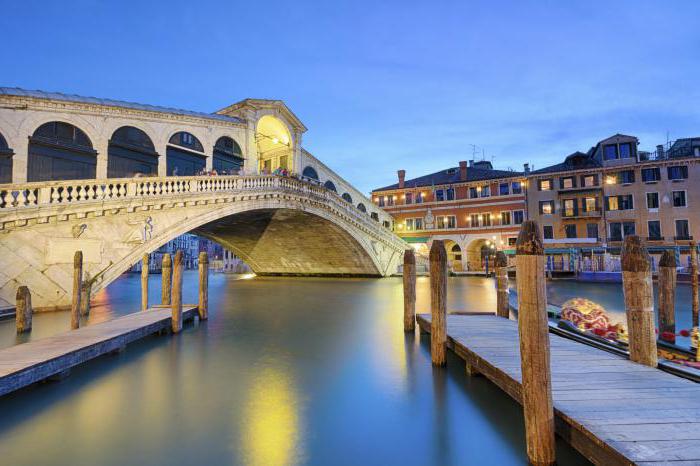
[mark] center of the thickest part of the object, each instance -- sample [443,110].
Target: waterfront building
[588,203]
[473,207]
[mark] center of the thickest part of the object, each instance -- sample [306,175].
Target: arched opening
[131,152]
[310,172]
[5,161]
[330,185]
[361,207]
[454,256]
[347,197]
[60,151]
[228,156]
[274,145]
[185,155]
[479,252]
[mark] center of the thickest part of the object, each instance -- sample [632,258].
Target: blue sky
[384,85]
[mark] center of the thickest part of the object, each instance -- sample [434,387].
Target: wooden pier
[612,410]
[31,362]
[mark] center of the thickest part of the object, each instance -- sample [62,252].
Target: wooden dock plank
[27,363]
[612,410]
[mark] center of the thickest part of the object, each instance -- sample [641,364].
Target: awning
[416,239]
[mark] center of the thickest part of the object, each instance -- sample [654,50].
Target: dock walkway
[31,362]
[610,409]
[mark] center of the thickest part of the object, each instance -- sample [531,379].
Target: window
[512,241]
[623,202]
[567,183]
[626,177]
[629,228]
[677,173]
[592,230]
[547,232]
[570,230]
[450,194]
[419,198]
[570,208]
[589,180]
[374,215]
[439,195]
[449,221]
[486,220]
[651,175]
[418,223]
[546,207]
[652,201]
[625,150]
[473,193]
[679,199]
[544,185]
[516,187]
[381,201]
[682,229]
[610,152]
[409,224]
[590,204]
[503,189]
[409,198]
[390,200]
[654,227]
[505,218]
[518,216]
[474,219]
[485,191]
[619,230]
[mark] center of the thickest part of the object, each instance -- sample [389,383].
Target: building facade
[474,208]
[587,204]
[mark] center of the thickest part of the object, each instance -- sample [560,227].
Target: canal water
[285,372]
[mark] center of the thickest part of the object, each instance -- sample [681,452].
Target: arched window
[5,161]
[185,155]
[60,151]
[310,172]
[329,185]
[228,157]
[130,152]
[347,197]
[361,207]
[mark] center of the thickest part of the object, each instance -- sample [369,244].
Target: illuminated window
[505,218]
[474,220]
[547,207]
[544,185]
[590,204]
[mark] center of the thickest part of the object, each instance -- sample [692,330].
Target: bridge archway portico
[278,225]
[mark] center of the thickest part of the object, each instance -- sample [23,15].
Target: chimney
[463,170]
[660,151]
[402,178]
[526,167]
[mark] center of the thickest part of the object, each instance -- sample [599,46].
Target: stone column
[20,146]
[102,148]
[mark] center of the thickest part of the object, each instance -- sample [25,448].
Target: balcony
[683,237]
[581,214]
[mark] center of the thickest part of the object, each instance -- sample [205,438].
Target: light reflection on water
[285,372]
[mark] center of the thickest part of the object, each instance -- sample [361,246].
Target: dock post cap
[668,259]
[203,257]
[409,256]
[78,259]
[501,259]
[22,291]
[529,241]
[166,259]
[635,257]
[437,250]
[178,256]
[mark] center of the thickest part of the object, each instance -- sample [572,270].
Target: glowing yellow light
[275,140]
[610,180]
[400,226]
[478,188]
[403,196]
[524,184]
[493,237]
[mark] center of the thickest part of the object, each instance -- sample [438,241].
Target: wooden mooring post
[695,298]
[409,290]
[203,307]
[166,278]
[667,297]
[438,302]
[533,330]
[639,301]
[85,292]
[77,290]
[23,314]
[177,293]
[501,263]
[144,281]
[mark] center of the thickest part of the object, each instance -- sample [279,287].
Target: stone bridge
[278,225]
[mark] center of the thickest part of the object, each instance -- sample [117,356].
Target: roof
[257,104]
[18,92]
[451,175]
[575,161]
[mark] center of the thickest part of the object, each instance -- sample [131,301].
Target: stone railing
[23,200]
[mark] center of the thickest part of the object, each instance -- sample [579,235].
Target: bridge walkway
[612,410]
[31,362]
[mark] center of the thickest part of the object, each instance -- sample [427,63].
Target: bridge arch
[5,161]
[310,173]
[361,207]
[59,150]
[131,151]
[330,186]
[347,197]
[185,154]
[227,155]
[274,144]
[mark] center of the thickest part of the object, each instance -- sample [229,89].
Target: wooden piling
[176,305]
[667,297]
[639,301]
[23,313]
[533,331]
[501,263]
[409,290]
[77,289]
[144,281]
[695,299]
[203,307]
[166,276]
[85,291]
[438,302]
